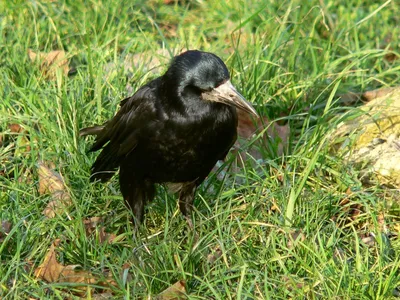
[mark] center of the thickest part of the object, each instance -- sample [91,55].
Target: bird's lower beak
[227,94]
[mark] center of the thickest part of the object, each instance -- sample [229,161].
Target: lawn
[295,221]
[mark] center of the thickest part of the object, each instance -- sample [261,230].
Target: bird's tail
[105,165]
[136,192]
[95,130]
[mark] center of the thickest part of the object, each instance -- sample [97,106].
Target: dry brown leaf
[90,228]
[17,144]
[294,283]
[50,62]
[51,182]
[21,139]
[147,61]
[52,271]
[169,30]
[103,296]
[351,97]
[349,211]
[382,223]
[175,292]
[371,95]
[339,254]
[212,257]
[391,56]
[15,128]
[369,240]
[248,127]
[5,229]
[295,237]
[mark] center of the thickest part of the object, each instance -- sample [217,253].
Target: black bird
[172,131]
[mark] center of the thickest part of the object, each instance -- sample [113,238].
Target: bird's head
[205,74]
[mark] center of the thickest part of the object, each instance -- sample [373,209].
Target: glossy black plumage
[172,130]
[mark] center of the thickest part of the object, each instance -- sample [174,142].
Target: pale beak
[227,94]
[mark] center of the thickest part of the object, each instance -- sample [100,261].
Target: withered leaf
[52,271]
[294,283]
[15,128]
[5,229]
[50,62]
[51,182]
[19,136]
[248,127]
[147,61]
[175,292]
[351,97]
[295,237]
[96,222]
[17,144]
[212,257]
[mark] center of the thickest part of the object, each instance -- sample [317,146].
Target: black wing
[119,136]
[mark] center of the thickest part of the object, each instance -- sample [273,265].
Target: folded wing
[119,136]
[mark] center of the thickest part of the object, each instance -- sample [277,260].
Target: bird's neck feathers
[177,95]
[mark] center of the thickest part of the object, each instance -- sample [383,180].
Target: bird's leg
[186,197]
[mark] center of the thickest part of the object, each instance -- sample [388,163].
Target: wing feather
[120,135]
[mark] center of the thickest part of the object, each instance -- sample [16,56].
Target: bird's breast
[184,149]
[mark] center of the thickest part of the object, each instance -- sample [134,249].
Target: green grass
[292,59]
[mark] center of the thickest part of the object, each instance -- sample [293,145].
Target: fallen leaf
[51,182]
[28,265]
[147,61]
[174,292]
[15,128]
[52,271]
[5,229]
[294,283]
[212,257]
[382,223]
[16,144]
[349,210]
[391,56]
[270,131]
[369,240]
[103,296]
[339,255]
[169,30]
[352,97]
[92,224]
[294,237]
[20,137]
[50,62]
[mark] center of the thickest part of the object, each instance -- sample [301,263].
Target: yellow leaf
[50,62]
[174,292]
[52,271]
[51,182]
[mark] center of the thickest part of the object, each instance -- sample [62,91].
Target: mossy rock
[372,141]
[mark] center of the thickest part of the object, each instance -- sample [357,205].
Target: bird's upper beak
[226,93]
